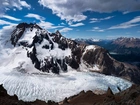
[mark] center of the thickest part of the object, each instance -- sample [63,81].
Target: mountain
[122,49]
[51,52]
[127,42]
[122,45]
[37,64]
[87,41]
[91,41]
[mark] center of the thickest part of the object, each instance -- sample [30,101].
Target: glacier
[29,87]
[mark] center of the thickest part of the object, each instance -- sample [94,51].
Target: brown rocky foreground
[130,96]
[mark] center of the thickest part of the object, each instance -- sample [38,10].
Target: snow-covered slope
[31,59]
[30,48]
[29,87]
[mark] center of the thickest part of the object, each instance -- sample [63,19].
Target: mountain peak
[52,52]
[27,25]
[58,33]
[130,42]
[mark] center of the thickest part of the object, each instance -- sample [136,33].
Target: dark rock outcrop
[128,97]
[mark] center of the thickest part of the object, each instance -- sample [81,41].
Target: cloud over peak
[66,29]
[36,16]
[72,10]
[76,25]
[48,25]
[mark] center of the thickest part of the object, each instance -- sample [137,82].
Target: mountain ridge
[42,64]
[51,52]
[121,45]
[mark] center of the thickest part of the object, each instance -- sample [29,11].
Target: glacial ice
[29,87]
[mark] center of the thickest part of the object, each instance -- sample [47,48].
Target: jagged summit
[26,25]
[20,29]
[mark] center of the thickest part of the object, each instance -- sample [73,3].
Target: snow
[113,53]
[90,47]
[5,33]
[96,67]
[55,52]
[28,35]
[17,58]
[86,67]
[95,40]
[88,40]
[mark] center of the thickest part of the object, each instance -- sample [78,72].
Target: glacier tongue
[29,87]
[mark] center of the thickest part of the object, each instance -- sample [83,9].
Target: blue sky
[99,19]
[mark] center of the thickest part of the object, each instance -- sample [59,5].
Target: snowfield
[29,87]
[19,76]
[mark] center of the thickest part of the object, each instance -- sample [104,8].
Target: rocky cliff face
[51,52]
[109,66]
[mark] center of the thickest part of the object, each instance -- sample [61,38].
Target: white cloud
[48,25]
[77,24]
[126,12]
[72,10]
[10,4]
[3,22]
[14,9]
[10,17]
[24,4]
[94,20]
[66,29]
[64,9]
[63,23]
[123,26]
[97,29]
[100,30]
[36,16]
[129,24]
[6,29]
[109,17]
